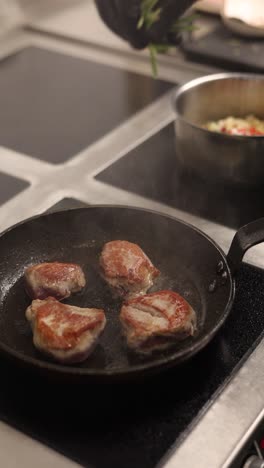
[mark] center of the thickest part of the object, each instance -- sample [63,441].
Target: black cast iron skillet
[189,261]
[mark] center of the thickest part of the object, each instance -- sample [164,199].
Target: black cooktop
[10,186]
[55,105]
[133,425]
[151,170]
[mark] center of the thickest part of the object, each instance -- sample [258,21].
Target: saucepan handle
[246,237]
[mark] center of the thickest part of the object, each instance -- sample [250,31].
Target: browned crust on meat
[74,324]
[54,271]
[157,320]
[126,267]
[55,279]
[60,329]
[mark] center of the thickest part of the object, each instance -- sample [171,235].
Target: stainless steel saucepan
[217,156]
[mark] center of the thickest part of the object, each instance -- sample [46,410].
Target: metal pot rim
[207,79]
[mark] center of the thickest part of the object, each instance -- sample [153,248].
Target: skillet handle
[246,237]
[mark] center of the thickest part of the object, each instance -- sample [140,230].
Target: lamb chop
[64,332]
[126,268]
[55,279]
[156,321]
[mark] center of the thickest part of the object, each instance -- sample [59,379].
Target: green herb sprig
[150,14]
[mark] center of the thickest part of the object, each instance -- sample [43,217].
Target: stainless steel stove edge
[219,437]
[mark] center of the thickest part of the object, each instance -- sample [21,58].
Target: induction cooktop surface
[151,170]
[59,104]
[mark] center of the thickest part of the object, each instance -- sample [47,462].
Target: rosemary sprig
[150,14]
[185,23]
[154,50]
[153,59]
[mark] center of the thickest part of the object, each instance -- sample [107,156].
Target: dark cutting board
[226,50]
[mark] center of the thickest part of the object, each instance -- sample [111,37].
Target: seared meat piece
[157,320]
[126,268]
[55,279]
[65,332]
